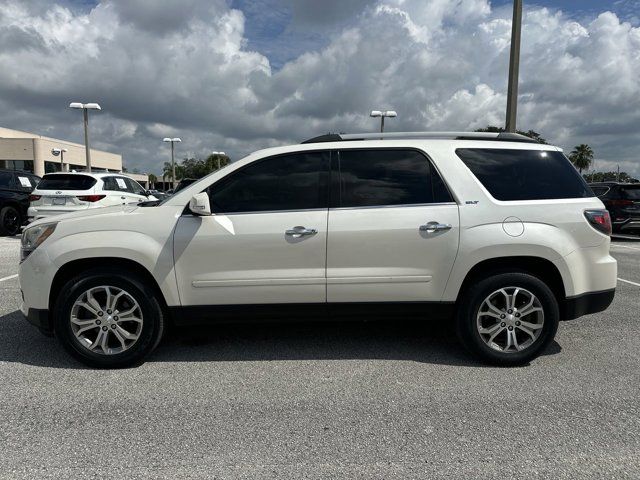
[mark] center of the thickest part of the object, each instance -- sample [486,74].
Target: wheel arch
[74,267]
[539,267]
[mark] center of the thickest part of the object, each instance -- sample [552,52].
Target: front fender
[154,256]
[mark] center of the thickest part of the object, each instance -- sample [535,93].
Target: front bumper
[39,318]
[587,303]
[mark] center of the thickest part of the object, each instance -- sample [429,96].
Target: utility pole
[514,67]
[173,163]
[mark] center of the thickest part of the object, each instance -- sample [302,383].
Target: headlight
[32,237]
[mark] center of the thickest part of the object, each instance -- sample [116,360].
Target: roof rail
[502,136]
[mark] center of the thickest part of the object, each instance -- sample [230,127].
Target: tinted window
[388,177]
[599,191]
[287,182]
[66,182]
[524,174]
[631,193]
[6,179]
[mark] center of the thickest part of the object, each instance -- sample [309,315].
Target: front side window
[387,177]
[286,182]
[525,174]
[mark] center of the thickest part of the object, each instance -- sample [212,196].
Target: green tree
[152,180]
[609,177]
[529,133]
[167,173]
[216,161]
[581,157]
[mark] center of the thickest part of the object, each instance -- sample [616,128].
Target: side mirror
[199,204]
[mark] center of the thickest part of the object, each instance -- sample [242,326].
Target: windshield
[66,182]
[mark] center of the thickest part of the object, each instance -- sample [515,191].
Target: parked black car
[623,202]
[15,188]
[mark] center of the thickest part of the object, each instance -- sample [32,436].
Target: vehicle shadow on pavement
[407,340]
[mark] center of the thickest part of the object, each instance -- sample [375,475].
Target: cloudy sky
[239,75]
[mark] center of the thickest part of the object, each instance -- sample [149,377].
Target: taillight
[90,198]
[34,198]
[600,220]
[620,203]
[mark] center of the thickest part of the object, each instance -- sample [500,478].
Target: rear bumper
[587,303]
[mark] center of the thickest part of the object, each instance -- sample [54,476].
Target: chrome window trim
[403,205]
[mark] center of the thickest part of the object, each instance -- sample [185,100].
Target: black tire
[10,221]
[153,324]
[473,298]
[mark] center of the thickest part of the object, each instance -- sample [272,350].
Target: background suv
[15,187]
[495,232]
[59,193]
[622,200]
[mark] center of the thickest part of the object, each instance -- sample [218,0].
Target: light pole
[59,151]
[173,163]
[85,107]
[382,115]
[514,67]
[217,154]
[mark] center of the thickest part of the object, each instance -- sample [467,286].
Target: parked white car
[492,231]
[65,192]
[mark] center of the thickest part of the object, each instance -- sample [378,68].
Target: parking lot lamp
[173,163]
[382,115]
[85,107]
[514,67]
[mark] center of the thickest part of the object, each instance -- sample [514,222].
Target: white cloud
[185,69]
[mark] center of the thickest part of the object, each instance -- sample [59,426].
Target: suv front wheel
[508,318]
[110,319]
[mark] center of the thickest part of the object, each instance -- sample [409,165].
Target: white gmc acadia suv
[493,230]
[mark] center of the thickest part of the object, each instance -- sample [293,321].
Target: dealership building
[34,153]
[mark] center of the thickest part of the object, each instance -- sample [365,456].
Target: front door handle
[432,227]
[299,231]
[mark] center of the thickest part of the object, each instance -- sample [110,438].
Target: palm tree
[152,180]
[581,157]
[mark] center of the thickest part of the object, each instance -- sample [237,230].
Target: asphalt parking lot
[371,400]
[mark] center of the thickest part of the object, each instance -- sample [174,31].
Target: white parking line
[8,278]
[624,246]
[628,281]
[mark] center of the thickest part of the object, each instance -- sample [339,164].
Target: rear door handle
[299,231]
[432,227]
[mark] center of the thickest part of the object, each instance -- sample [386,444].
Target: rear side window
[66,182]
[6,179]
[599,191]
[387,177]
[631,193]
[524,174]
[286,182]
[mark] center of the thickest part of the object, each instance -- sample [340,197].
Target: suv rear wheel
[108,319]
[508,318]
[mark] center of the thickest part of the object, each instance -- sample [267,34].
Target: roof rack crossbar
[502,136]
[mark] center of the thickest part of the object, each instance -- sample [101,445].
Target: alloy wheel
[106,320]
[510,319]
